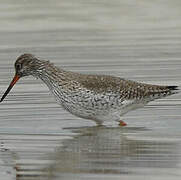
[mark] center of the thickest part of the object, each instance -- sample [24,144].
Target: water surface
[131,39]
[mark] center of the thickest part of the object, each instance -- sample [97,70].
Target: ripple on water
[38,140]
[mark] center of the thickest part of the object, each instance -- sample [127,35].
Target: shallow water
[131,39]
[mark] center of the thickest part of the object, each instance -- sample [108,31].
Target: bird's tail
[162,91]
[173,89]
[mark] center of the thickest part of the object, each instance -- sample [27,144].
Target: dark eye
[18,66]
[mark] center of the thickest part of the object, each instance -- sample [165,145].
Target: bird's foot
[122,123]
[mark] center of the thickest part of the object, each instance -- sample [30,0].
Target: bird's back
[127,89]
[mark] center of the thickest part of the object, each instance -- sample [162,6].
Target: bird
[101,98]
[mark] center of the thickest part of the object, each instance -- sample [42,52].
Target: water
[132,39]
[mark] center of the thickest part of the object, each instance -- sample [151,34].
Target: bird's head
[25,65]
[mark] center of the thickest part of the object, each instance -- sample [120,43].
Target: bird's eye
[18,66]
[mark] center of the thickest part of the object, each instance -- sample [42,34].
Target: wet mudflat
[131,39]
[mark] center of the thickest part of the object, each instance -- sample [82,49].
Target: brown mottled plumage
[97,97]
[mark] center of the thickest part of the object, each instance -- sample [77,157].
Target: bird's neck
[51,75]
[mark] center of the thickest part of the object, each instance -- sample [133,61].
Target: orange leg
[122,123]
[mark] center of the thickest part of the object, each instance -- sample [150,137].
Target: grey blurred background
[139,40]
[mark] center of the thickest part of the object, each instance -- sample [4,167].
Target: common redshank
[96,97]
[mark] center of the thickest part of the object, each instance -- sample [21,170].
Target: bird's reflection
[103,150]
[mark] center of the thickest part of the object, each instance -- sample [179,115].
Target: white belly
[96,108]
